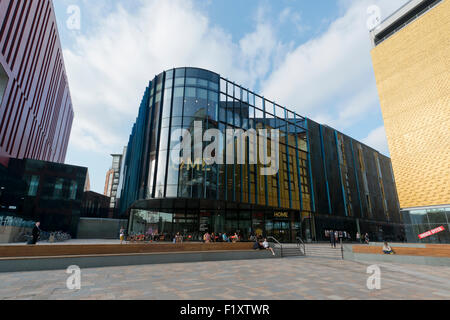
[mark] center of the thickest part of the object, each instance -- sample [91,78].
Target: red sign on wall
[431,232]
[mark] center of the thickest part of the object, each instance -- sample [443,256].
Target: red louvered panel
[36,111]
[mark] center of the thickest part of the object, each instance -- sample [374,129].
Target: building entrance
[282,231]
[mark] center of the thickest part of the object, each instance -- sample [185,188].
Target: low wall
[17,251]
[9,234]
[102,261]
[93,228]
[432,255]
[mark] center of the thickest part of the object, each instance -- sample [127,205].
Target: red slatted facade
[36,111]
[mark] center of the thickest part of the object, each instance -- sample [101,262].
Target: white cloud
[290,16]
[109,68]
[330,77]
[377,140]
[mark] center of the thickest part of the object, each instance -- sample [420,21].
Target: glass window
[179,82]
[213,86]
[169,74]
[165,123]
[169,83]
[258,102]
[192,72]
[280,112]
[58,188]
[177,109]
[202,94]
[178,92]
[73,190]
[180,73]
[223,85]
[164,138]
[190,92]
[202,83]
[191,82]
[230,90]
[237,92]
[34,185]
[167,103]
[213,105]
[158,97]
[177,122]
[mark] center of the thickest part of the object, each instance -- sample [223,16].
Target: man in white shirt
[267,246]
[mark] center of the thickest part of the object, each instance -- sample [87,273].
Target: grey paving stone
[288,279]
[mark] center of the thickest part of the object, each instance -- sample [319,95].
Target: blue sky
[311,56]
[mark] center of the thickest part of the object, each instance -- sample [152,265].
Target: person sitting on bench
[267,246]
[387,249]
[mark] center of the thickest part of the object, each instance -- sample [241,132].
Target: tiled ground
[294,278]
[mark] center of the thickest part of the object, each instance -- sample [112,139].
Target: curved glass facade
[163,196]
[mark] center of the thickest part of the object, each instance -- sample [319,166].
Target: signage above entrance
[281,215]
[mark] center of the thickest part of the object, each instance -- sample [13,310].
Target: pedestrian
[122,234]
[367,239]
[224,237]
[358,237]
[36,233]
[332,239]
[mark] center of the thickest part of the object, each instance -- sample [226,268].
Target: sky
[312,57]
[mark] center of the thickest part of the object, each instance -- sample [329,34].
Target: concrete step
[289,252]
[323,251]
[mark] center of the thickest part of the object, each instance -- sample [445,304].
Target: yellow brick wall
[412,70]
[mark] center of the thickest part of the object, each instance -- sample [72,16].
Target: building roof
[400,19]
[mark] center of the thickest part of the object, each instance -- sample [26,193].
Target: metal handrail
[277,242]
[301,245]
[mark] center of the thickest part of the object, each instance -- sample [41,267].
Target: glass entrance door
[282,231]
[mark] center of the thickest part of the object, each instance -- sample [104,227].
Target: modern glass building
[49,192]
[325,180]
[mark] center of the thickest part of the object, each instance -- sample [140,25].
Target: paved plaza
[289,279]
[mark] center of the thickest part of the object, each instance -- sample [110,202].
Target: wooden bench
[441,251]
[83,250]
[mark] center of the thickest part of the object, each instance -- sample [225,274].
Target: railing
[276,242]
[301,246]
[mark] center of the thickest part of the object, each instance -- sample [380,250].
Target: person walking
[122,235]
[358,237]
[332,239]
[366,238]
[36,233]
[336,238]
